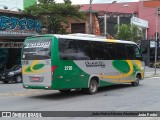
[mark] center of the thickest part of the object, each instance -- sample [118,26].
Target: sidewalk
[150,72]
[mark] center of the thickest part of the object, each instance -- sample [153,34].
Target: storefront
[142,25]
[14,28]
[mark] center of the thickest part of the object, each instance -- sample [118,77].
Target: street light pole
[105,23]
[90,10]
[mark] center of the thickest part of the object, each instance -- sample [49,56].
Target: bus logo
[35,67]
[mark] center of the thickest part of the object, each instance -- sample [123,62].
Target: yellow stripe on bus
[123,81]
[111,40]
[122,75]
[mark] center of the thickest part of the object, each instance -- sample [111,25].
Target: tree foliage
[53,15]
[128,32]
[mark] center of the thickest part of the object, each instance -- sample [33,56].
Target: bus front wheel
[136,82]
[93,87]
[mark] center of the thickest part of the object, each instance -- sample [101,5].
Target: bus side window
[67,49]
[84,50]
[98,50]
[110,52]
[121,51]
[137,53]
[130,52]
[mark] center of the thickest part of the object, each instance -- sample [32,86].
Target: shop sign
[139,22]
[152,44]
[11,44]
[15,33]
[10,25]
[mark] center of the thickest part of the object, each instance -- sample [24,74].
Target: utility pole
[91,21]
[156,41]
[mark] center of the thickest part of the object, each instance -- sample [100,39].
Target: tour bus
[79,61]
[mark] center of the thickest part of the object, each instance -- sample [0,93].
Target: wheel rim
[93,87]
[19,79]
[137,81]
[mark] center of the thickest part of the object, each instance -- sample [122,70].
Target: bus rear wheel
[136,82]
[93,87]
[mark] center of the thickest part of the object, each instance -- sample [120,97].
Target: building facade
[14,28]
[117,13]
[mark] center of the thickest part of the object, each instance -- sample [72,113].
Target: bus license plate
[36,79]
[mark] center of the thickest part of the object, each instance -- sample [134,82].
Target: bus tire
[5,81]
[93,87]
[65,91]
[136,82]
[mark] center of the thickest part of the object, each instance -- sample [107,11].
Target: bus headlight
[11,73]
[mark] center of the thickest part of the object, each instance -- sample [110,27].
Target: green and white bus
[77,61]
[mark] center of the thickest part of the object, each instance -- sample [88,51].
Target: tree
[128,32]
[54,16]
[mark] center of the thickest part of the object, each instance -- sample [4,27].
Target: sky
[11,4]
[14,4]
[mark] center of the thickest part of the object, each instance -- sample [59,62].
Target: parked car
[13,74]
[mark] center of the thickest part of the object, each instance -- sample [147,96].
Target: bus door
[36,63]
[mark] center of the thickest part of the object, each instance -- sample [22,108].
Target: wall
[87,24]
[148,14]
[145,13]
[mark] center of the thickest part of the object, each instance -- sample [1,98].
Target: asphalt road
[145,97]
[122,97]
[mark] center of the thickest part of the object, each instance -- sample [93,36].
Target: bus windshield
[37,50]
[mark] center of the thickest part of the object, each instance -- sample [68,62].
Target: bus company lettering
[95,64]
[39,44]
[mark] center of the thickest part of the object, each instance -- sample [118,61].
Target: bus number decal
[68,68]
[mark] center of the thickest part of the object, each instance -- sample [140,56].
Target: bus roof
[80,36]
[92,38]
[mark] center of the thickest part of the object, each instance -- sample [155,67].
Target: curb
[152,76]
